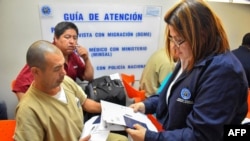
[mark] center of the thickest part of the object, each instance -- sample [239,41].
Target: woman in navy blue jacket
[208,88]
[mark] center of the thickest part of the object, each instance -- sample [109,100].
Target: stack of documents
[118,117]
[97,132]
[114,117]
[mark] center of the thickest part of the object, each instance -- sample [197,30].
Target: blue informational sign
[119,38]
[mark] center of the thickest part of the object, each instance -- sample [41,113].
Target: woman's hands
[138,133]
[138,107]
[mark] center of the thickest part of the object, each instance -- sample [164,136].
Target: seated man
[243,54]
[52,108]
[77,63]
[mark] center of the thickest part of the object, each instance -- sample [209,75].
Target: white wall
[20,26]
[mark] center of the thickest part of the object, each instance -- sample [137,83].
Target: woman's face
[182,47]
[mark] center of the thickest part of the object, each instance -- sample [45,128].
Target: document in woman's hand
[115,114]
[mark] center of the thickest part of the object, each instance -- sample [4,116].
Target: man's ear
[35,70]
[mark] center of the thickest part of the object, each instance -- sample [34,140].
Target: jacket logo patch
[185,96]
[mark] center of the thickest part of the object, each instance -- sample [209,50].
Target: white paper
[115,76]
[114,114]
[246,120]
[97,132]
[110,126]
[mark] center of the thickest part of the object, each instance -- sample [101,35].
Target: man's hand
[85,138]
[83,52]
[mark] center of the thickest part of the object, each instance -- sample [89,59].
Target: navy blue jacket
[202,101]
